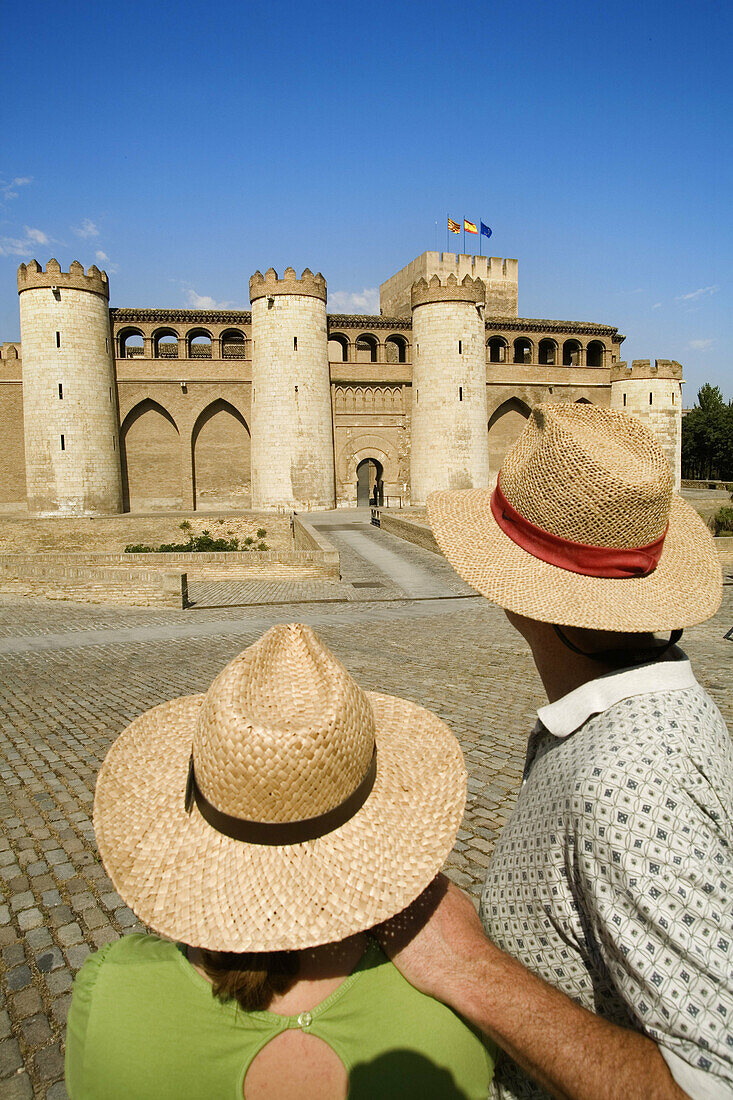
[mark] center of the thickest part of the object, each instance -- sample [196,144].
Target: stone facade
[205,410]
[450,443]
[654,394]
[72,458]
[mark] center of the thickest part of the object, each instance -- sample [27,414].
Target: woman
[267,826]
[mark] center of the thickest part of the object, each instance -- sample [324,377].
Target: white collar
[567,714]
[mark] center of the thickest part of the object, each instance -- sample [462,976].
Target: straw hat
[311,809]
[583,528]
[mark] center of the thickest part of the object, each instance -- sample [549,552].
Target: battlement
[32,276]
[500,277]
[269,285]
[644,370]
[435,290]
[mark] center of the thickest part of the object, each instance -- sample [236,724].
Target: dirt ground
[109,534]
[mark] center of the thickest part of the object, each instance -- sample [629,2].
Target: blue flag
[485,230]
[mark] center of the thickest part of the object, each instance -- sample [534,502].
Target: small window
[253,395]
[673,397]
[110,395]
[624,400]
[61,391]
[58,339]
[296,389]
[295,343]
[460,347]
[460,393]
[63,444]
[114,443]
[417,396]
[650,399]
[106,343]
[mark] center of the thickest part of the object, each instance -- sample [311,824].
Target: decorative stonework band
[576,557]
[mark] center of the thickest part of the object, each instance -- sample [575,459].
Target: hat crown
[284,733]
[590,475]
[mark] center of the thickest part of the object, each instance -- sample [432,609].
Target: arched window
[366,348]
[571,353]
[338,348]
[496,349]
[198,343]
[522,350]
[595,353]
[130,343]
[505,425]
[165,344]
[233,344]
[547,352]
[395,349]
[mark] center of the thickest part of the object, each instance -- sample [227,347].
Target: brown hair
[250,978]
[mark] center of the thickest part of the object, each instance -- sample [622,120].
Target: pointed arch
[150,455]
[220,457]
[505,425]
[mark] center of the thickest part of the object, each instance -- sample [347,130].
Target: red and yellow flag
[469,226]
[453,226]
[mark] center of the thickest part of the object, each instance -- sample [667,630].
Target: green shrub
[138,548]
[185,526]
[263,546]
[248,541]
[261,532]
[723,521]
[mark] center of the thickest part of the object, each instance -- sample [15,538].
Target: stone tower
[653,393]
[450,446]
[292,423]
[69,392]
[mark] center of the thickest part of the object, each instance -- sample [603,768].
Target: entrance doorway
[369,483]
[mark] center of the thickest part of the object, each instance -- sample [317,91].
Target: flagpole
[446,233]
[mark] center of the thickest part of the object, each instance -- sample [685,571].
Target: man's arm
[439,946]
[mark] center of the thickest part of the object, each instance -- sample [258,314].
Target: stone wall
[69,398]
[500,277]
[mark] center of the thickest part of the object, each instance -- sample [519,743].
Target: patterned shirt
[612,879]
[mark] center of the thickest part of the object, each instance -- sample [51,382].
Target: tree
[707,437]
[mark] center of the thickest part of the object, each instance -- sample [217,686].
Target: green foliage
[723,521]
[707,437]
[201,544]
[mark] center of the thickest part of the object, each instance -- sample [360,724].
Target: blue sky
[182,146]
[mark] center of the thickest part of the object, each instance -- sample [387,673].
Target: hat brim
[685,588]
[190,883]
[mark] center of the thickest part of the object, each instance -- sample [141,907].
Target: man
[609,969]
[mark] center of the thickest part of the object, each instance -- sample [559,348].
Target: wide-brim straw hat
[589,488]
[348,802]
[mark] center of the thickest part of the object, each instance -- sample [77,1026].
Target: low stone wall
[727,486]
[308,540]
[410,529]
[67,580]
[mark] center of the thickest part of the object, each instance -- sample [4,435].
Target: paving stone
[47,961]
[18,978]
[13,954]
[38,938]
[77,954]
[60,1009]
[49,1062]
[35,1030]
[30,918]
[10,1059]
[60,981]
[4,1024]
[69,933]
[125,917]
[57,1092]
[26,1002]
[18,1087]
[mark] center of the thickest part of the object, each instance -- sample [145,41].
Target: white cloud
[701,292]
[355,301]
[101,256]
[86,230]
[23,246]
[35,235]
[8,188]
[657,305]
[203,301]
[702,344]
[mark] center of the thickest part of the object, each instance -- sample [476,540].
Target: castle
[105,409]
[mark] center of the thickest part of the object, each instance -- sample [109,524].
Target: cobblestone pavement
[72,676]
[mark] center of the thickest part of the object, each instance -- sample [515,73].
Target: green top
[144,1024]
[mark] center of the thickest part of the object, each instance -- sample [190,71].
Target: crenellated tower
[450,448]
[69,392]
[653,393]
[292,425]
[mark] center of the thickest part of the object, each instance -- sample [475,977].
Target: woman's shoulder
[136,949]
